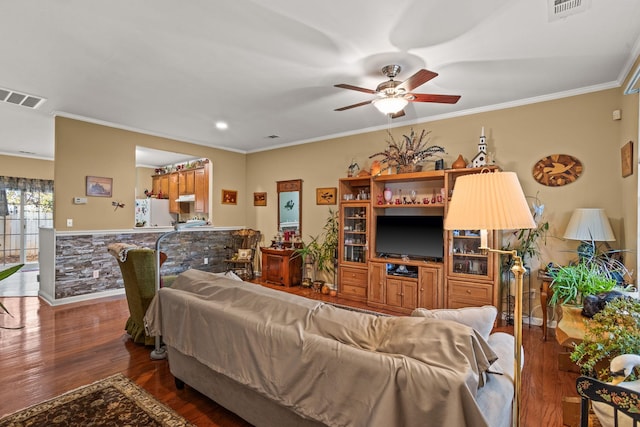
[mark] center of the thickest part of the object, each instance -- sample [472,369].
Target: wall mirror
[290,206]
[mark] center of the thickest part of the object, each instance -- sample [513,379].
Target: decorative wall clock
[557,170]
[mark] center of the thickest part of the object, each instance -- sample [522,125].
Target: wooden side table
[281,267]
[545,290]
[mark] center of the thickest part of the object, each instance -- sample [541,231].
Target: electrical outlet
[206,260]
[96,274]
[69,222]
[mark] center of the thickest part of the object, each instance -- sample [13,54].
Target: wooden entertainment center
[463,277]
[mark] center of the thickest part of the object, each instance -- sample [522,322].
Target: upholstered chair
[137,265]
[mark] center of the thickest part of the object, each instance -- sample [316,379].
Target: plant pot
[409,168]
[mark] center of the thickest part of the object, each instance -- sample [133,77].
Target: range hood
[186,198]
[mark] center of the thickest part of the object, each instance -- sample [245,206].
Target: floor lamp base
[159,354]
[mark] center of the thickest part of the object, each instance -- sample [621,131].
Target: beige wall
[143,181]
[581,126]
[24,167]
[84,149]
[629,131]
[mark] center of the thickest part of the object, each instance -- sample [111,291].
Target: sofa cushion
[479,318]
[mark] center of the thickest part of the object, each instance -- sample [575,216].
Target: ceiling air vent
[562,8]
[17,98]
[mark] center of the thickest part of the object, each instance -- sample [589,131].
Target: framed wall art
[229,197]
[259,199]
[326,196]
[557,170]
[99,187]
[626,153]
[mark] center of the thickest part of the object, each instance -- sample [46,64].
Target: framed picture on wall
[229,197]
[259,199]
[626,153]
[99,187]
[326,196]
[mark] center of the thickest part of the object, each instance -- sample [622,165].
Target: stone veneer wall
[78,256]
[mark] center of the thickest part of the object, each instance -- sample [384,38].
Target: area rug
[114,401]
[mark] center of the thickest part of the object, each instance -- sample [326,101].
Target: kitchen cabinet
[160,186]
[201,189]
[174,178]
[186,182]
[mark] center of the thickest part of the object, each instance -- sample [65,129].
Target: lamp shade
[390,104]
[589,224]
[488,201]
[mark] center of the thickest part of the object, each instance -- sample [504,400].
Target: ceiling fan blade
[348,107]
[426,97]
[398,114]
[351,87]
[419,78]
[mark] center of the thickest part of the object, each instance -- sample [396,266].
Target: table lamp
[589,225]
[495,201]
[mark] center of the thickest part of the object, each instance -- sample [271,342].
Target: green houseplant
[3,275]
[614,331]
[573,282]
[321,250]
[608,262]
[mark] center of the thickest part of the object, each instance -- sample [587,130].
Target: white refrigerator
[153,213]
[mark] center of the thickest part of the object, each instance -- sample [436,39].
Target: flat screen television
[414,236]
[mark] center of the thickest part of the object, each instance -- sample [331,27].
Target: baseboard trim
[87,297]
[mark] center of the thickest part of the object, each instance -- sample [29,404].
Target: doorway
[25,206]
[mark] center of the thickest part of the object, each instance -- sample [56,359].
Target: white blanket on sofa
[336,366]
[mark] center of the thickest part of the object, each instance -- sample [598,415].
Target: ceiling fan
[393,95]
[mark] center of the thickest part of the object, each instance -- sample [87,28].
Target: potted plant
[573,282]
[614,331]
[408,154]
[3,275]
[608,263]
[526,240]
[321,250]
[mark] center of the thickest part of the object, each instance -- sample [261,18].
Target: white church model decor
[481,159]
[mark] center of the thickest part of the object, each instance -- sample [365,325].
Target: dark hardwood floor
[65,347]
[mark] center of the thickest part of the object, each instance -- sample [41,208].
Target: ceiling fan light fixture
[390,105]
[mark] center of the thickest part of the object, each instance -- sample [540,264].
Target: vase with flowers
[409,153]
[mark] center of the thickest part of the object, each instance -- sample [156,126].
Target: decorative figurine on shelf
[481,159]
[388,195]
[460,163]
[352,168]
[376,168]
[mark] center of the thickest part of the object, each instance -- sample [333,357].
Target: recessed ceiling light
[222,125]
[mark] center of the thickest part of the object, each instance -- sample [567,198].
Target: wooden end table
[545,291]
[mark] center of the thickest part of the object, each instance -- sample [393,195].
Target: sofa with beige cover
[278,359]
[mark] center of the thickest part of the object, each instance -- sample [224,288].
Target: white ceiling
[173,68]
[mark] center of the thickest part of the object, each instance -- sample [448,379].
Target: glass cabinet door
[354,233]
[465,254]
